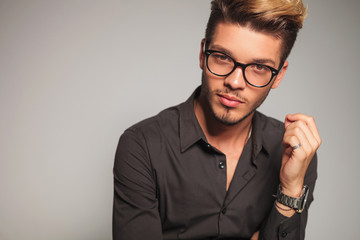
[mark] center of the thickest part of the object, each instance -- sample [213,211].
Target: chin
[229,118]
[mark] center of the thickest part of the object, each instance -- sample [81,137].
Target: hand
[299,129]
[255,236]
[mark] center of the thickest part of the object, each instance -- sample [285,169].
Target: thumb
[288,120]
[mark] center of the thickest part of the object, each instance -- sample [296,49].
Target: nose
[236,79]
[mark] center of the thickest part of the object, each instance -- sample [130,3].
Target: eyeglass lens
[222,65]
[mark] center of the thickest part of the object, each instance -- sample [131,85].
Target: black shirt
[170,183]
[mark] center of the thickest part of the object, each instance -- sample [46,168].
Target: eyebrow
[267,61]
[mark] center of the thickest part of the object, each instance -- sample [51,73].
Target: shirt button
[223,211]
[221,165]
[283,234]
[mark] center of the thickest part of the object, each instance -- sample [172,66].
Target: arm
[298,168]
[278,225]
[135,209]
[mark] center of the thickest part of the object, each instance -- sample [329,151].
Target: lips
[230,101]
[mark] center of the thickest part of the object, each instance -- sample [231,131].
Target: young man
[213,167]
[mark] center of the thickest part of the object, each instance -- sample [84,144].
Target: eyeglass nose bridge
[242,66]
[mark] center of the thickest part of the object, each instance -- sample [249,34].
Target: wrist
[292,191]
[282,207]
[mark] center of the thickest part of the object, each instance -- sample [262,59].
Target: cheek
[259,96]
[213,82]
[206,80]
[253,94]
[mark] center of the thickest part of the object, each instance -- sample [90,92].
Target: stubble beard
[226,118]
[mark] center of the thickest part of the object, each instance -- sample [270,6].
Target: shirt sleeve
[135,206]
[278,226]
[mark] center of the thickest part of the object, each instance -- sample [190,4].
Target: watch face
[304,198]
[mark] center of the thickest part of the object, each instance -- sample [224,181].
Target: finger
[307,119]
[310,121]
[288,120]
[294,130]
[255,236]
[300,124]
[294,134]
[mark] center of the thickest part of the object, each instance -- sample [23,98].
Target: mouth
[229,100]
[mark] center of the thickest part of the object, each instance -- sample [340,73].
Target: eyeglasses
[255,74]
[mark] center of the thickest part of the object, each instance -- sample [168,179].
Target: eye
[259,67]
[221,57]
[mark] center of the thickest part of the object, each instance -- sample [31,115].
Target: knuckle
[309,151]
[311,120]
[315,145]
[297,130]
[293,139]
[301,124]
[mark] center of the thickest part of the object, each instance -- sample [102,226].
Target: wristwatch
[298,204]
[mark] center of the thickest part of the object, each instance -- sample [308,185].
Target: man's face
[230,99]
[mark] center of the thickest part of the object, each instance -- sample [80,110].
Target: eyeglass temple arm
[204,46]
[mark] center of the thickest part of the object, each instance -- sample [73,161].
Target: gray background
[75,74]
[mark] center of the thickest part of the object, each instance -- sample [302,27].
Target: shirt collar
[190,130]
[265,132]
[257,136]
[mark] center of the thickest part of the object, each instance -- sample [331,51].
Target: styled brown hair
[280,18]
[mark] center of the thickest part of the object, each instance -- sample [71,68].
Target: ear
[202,54]
[280,76]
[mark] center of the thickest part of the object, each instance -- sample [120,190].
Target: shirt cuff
[278,226]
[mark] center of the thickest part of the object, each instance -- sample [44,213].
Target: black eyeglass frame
[274,72]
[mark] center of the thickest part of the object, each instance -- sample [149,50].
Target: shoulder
[154,128]
[153,124]
[270,124]
[136,141]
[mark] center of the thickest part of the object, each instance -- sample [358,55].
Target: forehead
[245,44]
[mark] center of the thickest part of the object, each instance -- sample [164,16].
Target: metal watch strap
[298,204]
